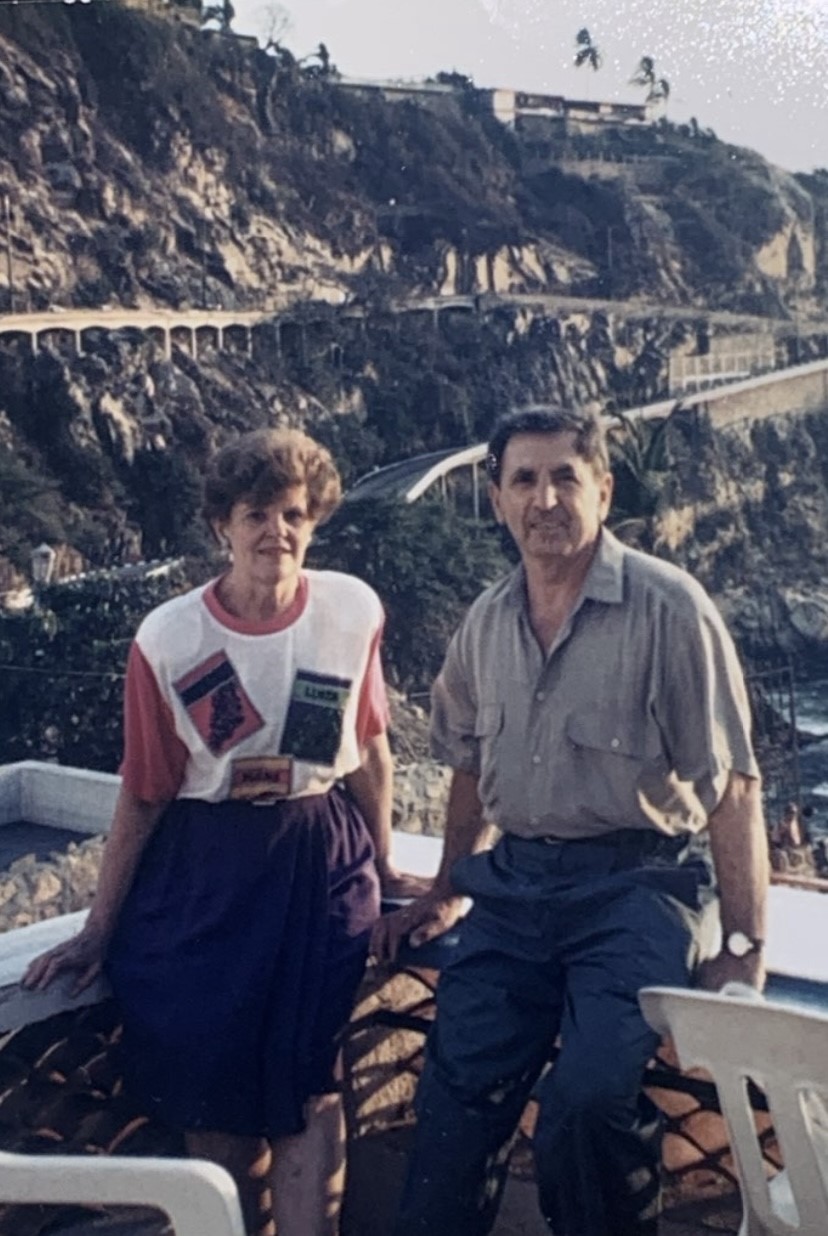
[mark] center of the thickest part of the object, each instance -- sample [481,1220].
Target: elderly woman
[242,873]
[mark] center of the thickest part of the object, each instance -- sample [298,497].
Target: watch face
[738,944]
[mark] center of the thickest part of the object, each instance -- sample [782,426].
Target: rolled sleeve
[706,711]
[453,712]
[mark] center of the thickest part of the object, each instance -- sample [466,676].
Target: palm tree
[658,88]
[586,52]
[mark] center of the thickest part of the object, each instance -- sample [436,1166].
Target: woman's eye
[294,518]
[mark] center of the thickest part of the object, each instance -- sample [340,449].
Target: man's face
[549,497]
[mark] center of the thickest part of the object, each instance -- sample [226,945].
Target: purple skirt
[237,956]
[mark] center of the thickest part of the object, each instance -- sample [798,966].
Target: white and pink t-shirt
[217,708]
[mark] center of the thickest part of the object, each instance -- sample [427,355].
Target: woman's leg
[308,1172]
[247,1159]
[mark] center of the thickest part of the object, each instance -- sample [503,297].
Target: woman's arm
[132,826]
[372,785]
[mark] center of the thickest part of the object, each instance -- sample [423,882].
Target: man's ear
[607,484]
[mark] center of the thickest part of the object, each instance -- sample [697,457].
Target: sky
[755,71]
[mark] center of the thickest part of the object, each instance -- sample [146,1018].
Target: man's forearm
[740,855]
[466,831]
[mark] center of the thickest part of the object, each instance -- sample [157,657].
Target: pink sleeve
[154,755]
[372,712]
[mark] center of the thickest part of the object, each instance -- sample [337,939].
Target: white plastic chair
[737,1037]
[200,1198]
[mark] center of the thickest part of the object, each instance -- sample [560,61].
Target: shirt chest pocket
[628,738]
[610,759]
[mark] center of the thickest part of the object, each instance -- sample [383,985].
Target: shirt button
[540,695]
[615,743]
[536,759]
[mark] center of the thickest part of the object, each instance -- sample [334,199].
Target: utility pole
[9,267]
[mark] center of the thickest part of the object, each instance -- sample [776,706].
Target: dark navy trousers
[560,939]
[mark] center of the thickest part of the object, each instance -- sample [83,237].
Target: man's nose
[546,495]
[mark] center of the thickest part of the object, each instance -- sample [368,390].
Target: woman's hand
[427,917]
[84,954]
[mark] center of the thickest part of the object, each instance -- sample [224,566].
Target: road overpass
[188,328]
[796,389]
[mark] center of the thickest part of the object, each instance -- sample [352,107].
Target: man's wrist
[740,944]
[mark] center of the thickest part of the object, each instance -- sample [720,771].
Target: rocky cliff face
[104,450]
[148,162]
[746,511]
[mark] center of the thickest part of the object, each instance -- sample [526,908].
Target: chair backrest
[783,1050]
[200,1198]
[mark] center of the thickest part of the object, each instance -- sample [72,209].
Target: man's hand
[724,968]
[401,885]
[84,953]
[427,917]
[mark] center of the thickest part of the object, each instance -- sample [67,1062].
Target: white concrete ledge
[72,798]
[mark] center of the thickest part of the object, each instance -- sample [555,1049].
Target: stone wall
[420,797]
[32,890]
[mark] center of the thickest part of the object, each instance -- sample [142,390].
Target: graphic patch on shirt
[313,726]
[261,779]
[217,703]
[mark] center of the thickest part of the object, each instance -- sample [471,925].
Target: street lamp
[43,563]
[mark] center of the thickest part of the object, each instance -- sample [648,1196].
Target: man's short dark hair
[590,438]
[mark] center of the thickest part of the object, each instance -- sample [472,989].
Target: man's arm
[740,856]
[372,786]
[430,915]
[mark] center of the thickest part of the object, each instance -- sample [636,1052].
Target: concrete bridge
[186,328]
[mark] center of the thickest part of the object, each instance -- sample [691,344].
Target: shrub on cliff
[62,665]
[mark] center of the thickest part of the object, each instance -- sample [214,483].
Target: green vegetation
[658,88]
[62,666]
[427,565]
[586,51]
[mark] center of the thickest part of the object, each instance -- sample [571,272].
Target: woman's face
[268,543]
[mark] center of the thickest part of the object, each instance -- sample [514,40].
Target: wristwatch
[740,945]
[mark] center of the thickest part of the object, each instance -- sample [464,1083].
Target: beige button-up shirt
[633,719]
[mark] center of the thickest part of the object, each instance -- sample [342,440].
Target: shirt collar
[604,579]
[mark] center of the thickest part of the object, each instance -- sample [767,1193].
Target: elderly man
[591,706]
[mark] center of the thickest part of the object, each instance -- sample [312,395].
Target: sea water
[812,720]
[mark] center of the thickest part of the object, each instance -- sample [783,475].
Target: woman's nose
[277,525]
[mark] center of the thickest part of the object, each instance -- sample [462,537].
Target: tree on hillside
[319,64]
[221,12]
[272,23]
[658,88]
[586,51]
